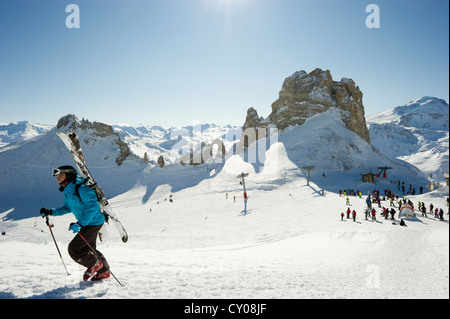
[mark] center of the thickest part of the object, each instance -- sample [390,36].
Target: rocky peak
[94,132]
[304,95]
[253,119]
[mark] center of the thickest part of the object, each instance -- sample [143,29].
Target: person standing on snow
[81,200]
[423,210]
[393,214]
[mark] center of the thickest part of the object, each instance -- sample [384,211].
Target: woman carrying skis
[81,200]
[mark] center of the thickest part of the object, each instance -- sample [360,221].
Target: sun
[227,7]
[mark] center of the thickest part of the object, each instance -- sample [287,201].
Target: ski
[72,142]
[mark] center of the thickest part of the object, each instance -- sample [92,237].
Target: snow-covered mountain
[26,166]
[20,131]
[288,241]
[322,141]
[339,155]
[417,133]
[171,143]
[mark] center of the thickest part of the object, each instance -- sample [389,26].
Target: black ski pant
[81,253]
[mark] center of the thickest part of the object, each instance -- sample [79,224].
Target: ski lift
[383,170]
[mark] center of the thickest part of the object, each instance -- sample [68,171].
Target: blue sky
[173,62]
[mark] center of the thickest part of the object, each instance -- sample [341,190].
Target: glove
[75,227]
[46,212]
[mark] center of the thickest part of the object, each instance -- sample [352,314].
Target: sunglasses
[57,171]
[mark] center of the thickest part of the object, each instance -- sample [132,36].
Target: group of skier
[411,191]
[370,212]
[438,213]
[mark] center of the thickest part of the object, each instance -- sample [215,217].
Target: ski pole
[96,255]
[54,240]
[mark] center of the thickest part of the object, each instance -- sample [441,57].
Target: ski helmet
[70,171]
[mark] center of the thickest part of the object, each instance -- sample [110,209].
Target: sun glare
[226,6]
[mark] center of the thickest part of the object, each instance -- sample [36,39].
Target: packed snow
[192,236]
[289,243]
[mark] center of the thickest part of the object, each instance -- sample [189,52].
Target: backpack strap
[77,190]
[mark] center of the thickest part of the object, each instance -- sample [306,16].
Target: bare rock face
[95,131]
[253,120]
[304,95]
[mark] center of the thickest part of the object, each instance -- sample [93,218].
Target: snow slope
[417,133]
[20,131]
[290,243]
[26,166]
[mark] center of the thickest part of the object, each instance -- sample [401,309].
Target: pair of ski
[73,144]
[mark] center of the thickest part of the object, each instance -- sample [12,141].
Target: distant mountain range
[417,133]
[21,131]
[156,141]
[412,139]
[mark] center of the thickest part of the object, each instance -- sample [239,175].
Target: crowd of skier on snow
[389,213]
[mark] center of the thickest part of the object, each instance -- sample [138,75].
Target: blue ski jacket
[86,208]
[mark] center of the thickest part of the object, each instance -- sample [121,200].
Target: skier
[424,210]
[366,213]
[81,200]
[348,213]
[342,216]
[386,213]
[368,203]
[354,215]
[393,213]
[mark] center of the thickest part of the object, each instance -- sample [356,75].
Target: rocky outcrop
[97,131]
[161,161]
[304,95]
